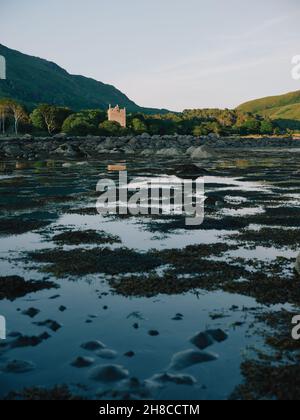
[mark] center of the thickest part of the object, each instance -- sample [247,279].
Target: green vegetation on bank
[49,120]
[284,110]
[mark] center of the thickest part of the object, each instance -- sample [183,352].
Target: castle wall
[118,115]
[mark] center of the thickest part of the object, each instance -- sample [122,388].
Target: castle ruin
[118,115]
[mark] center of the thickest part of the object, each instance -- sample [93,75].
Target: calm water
[111,317]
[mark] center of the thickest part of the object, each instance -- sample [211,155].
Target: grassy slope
[32,80]
[283,108]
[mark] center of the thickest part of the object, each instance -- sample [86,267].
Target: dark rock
[153,333]
[190,358]
[202,340]
[93,346]
[107,354]
[83,362]
[129,354]
[52,325]
[18,367]
[176,379]
[109,373]
[31,312]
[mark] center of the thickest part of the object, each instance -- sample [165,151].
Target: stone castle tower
[118,115]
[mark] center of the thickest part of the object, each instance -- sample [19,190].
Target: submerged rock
[109,373]
[202,340]
[218,335]
[190,358]
[176,379]
[128,389]
[129,354]
[18,366]
[31,312]
[107,354]
[52,325]
[93,346]
[29,341]
[153,333]
[208,338]
[83,362]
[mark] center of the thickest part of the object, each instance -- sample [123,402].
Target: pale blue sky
[164,53]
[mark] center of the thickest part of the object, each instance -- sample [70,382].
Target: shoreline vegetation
[49,120]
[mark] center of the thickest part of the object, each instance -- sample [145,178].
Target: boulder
[83,362]
[202,152]
[107,354]
[163,378]
[109,373]
[18,366]
[60,136]
[171,152]
[190,358]
[297,265]
[93,346]
[67,150]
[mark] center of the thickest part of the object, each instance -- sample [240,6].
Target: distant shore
[91,147]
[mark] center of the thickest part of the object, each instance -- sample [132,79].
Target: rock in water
[82,362]
[93,346]
[164,378]
[218,335]
[202,152]
[109,373]
[297,265]
[202,340]
[208,338]
[190,358]
[18,366]
[107,354]
[171,152]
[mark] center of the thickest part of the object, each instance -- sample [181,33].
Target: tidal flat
[145,307]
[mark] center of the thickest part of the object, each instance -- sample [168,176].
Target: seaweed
[80,262]
[13,287]
[85,237]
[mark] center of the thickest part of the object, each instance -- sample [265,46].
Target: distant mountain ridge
[33,80]
[284,109]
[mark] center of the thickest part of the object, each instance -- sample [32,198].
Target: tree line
[49,120]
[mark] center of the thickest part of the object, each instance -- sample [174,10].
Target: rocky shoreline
[90,147]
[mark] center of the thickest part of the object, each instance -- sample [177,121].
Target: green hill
[284,109]
[32,81]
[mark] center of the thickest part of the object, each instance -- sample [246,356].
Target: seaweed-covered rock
[93,346]
[163,378]
[18,366]
[109,373]
[107,354]
[83,362]
[190,358]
